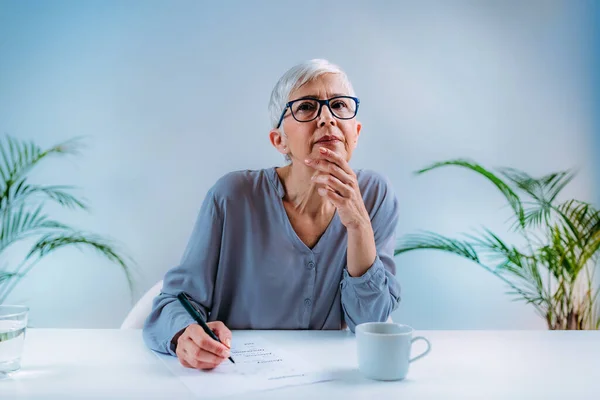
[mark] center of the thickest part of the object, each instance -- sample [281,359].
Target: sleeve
[373,296]
[194,275]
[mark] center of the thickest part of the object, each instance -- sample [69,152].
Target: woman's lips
[327,141]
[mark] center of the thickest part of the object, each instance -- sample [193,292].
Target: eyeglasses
[309,109]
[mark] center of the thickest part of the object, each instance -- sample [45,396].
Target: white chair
[136,317]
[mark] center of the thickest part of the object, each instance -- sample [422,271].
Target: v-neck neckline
[276,181]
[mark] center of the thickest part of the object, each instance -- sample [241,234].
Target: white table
[107,364]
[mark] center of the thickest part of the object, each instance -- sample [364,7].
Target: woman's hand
[339,184]
[195,349]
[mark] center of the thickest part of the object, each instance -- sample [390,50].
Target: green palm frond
[565,251]
[533,216]
[582,219]
[5,276]
[512,260]
[512,198]
[542,190]
[59,194]
[18,157]
[53,241]
[490,243]
[22,192]
[434,241]
[552,260]
[519,268]
[23,224]
[545,189]
[528,276]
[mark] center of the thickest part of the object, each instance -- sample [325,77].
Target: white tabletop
[107,364]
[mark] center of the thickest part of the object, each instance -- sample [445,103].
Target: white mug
[384,350]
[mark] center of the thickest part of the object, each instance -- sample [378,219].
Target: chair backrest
[138,314]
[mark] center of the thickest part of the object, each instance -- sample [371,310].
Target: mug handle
[423,354]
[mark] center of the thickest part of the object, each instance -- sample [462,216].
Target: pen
[184,299]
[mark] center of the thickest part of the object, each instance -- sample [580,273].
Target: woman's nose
[326,117]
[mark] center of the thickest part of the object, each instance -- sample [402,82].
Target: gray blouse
[245,266]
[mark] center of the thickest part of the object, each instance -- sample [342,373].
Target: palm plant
[22,216]
[553,267]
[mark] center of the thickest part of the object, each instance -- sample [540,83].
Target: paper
[259,365]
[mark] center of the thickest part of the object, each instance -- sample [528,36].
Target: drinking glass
[13,323]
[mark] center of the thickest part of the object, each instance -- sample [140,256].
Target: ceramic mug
[384,350]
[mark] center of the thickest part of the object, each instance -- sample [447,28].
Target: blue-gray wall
[173,94]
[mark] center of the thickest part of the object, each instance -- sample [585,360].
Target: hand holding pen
[202,345]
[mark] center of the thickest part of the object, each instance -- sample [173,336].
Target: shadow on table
[29,373]
[353,377]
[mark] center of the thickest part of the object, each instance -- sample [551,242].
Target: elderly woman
[309,245]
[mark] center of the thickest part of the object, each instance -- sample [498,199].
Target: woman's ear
[358,128]
[279,141]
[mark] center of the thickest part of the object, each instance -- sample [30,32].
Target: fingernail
[322,191]
[228,343]
[307,161]
[323,150]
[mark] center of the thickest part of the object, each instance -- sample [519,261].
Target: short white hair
[297,76]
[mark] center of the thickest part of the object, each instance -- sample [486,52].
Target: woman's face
[303,139]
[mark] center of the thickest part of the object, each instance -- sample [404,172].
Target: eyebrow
[314,96]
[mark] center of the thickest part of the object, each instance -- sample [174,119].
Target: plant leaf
[490,243]
[433,241]
[512,198]
[544,189]
[583,220]
[50,242]
[5,276]
[521,265]
[22,192]
[18,157]
[59,194]
[21,224]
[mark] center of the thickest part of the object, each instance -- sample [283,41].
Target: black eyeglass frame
[321,104]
